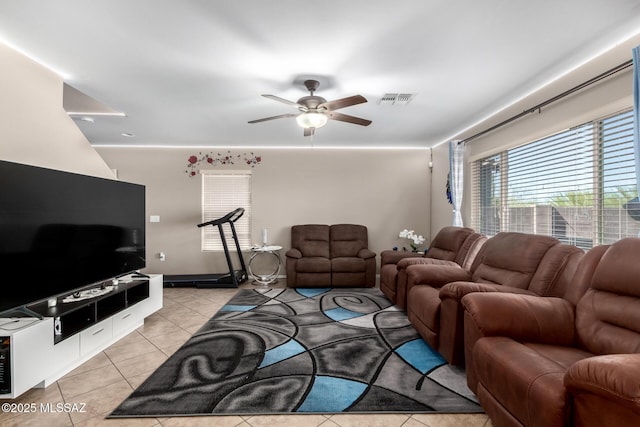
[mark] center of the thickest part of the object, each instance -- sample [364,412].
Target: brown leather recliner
[330,256]
[464,259]
[507,263]
[451,244]
[552,362]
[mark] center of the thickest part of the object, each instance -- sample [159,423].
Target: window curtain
[636,112]
[456,179]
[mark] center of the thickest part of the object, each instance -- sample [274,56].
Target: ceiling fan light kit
[312,120]
[315,111]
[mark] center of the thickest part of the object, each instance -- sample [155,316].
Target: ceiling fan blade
[343,102]
[349,119]
[284,101]
[309,131]
[281,116]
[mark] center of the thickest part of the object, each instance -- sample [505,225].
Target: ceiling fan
[315,111]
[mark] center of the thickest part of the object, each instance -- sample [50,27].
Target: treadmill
[230,279]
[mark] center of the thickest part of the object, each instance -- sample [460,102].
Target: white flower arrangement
[411,235]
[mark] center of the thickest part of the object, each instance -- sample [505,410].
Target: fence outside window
[578,185]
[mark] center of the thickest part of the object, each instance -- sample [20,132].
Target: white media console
[42,351]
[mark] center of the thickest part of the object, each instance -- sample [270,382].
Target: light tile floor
[108,378]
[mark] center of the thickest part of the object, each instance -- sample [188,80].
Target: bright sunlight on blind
[574,185]
[223,192]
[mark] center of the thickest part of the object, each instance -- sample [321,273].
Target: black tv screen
[61,231]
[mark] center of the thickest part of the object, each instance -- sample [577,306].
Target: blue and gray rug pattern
[277,351]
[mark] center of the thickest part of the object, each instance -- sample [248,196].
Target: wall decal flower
[197,162]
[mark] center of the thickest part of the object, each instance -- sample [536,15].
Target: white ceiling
[191,72]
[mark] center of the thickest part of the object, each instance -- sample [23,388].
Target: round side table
[269,251]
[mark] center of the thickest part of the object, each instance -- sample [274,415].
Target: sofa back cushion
[311,239]
[511,259]
[581,280]
[447,243]
[347,240]
[608,315]
[556,270]
[470,250]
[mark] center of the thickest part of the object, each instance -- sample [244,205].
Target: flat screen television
[61,231]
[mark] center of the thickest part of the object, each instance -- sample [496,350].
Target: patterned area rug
[275,351]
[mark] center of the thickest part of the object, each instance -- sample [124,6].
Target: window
[223,192]
[573,185]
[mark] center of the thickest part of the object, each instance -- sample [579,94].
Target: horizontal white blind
[618,179]
[486,195]
[572,185]
[223,192]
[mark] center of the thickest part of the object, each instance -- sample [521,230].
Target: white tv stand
[40,357]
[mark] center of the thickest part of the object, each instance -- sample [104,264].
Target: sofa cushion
[527,379]
[312,240]
[555,271]
[347,240]
[313,265]
[447,243]
[471,249]
[511,259]
[608,316]
[348,265]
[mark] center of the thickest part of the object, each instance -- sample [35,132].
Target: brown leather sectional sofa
[507,263]
[452,245]
[568,360]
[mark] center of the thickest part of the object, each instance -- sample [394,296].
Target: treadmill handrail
[230,217]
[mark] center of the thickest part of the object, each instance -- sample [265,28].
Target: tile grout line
[64,401]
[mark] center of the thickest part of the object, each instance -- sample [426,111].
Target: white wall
[385,190]
[34,128]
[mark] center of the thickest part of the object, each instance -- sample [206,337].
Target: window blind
[617,179]
[222,192]
[572,185]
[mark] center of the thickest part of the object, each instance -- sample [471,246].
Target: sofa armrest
[406,262]
[459,289]
[366,253]
[393,257]
[522,317]
[614,376]
[434,275]
[293,253]
[605,386]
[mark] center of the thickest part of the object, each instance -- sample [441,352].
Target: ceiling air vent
[396,98]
